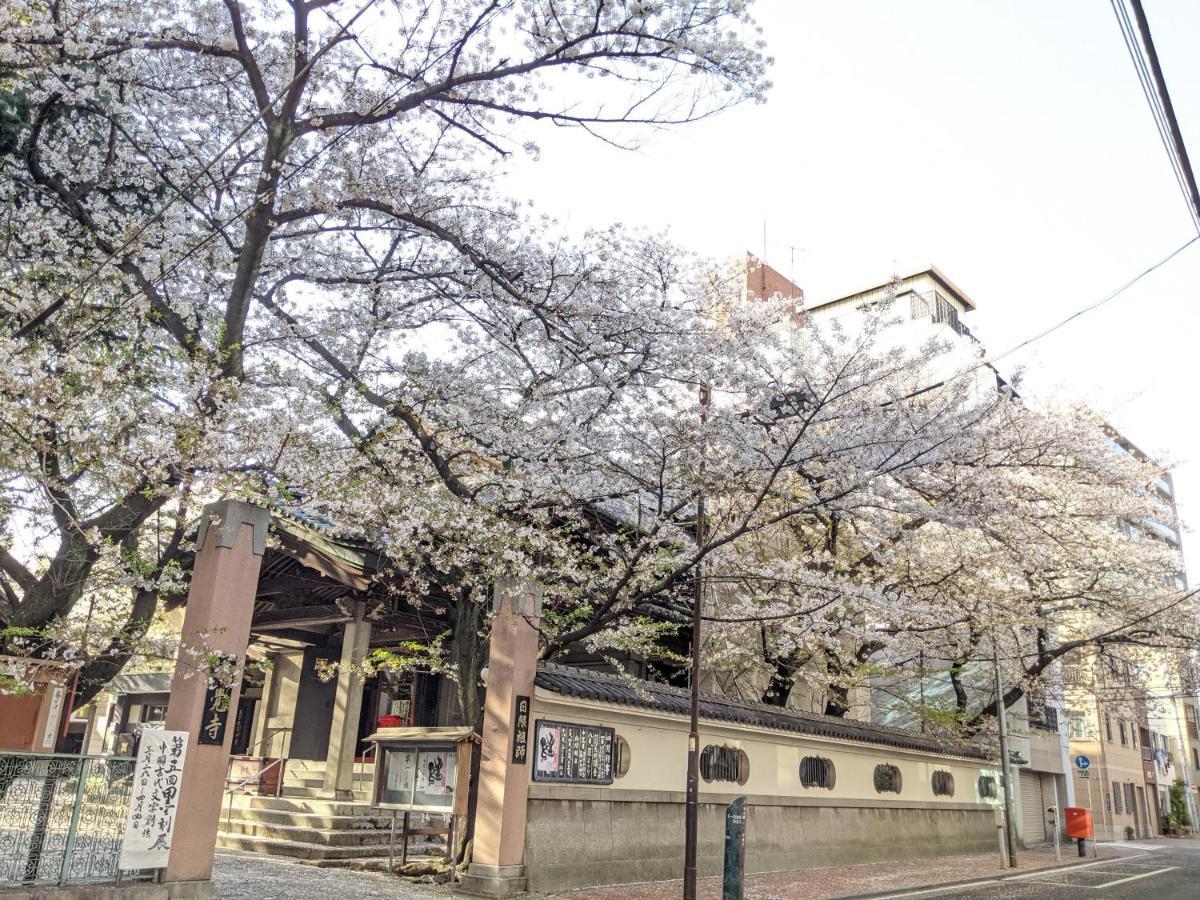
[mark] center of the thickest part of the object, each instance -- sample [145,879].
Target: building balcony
[932,305]
[1043,718]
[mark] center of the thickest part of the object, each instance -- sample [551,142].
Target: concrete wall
[577,837]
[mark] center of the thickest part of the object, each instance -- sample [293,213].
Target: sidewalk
[848,881]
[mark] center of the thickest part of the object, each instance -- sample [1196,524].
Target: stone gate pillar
[498,861]
[220,604]
[347,706]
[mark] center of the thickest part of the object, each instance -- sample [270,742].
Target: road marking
[1136,877]
[1064,870]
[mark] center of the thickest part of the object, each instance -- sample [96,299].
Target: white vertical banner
[154,800]
[54,718]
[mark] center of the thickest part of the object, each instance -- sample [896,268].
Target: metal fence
[62,818]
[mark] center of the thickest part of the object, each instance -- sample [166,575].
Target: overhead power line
[989,361]
[1154,86]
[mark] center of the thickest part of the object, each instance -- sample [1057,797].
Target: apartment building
[928,306]
[1133,714]
[1108,737]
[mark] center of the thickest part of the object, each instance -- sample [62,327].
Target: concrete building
[928,307]
[1129,710]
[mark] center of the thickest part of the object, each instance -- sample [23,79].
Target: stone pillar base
[493,881]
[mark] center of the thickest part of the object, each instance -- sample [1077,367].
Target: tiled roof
[623,691]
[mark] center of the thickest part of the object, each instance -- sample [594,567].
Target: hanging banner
[153,802]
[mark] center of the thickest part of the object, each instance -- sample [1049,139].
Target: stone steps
[304,834]
[301,804]
[312,828]
[316,820]
[297,849]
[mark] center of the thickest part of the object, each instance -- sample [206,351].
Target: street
[1164,871]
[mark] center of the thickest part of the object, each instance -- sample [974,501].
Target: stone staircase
[302,824]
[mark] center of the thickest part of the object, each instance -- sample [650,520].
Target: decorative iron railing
[62,818]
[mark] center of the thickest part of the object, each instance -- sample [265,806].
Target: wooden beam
[299,617]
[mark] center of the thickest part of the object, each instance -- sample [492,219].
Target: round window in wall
[724,763]
[620,757]
[987,786]
[943,783]
[887,779]
[817,772]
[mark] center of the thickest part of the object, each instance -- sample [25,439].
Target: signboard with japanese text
[216,712]
[154,799]
[418,777]
[573,754]
[520,750]
[54,718]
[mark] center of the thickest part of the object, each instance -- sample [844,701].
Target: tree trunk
[99,670]
[837,701]
[783,680]
[468,652]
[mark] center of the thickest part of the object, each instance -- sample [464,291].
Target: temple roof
[626,691]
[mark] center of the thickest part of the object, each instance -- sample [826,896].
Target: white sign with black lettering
[154,800]
[53,719]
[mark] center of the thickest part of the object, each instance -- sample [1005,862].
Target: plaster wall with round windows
[721,762]
[621,757]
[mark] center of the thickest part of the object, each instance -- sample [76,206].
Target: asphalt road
[1164,873]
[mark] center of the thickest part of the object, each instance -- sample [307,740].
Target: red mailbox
[1079,823]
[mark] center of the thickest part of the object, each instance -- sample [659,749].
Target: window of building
[943,784]
[1077,725]
[1116,798]
[817,771]
[1130,803]
[987,786]
[887,779]
[724,764]
[1124,735]
[1133,733]
[1195,761]
[153,713]
[1108,727]
[620,757]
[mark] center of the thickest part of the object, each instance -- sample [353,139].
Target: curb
[984,879]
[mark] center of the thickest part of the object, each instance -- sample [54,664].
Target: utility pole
[692,810]
[1010,836]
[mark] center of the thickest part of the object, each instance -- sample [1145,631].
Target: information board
[573,754]
[150,822]
[418,776]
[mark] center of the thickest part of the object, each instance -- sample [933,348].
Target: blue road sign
[1082,761]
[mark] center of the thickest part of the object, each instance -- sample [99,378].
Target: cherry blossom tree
[1033,543]
[217,214]
[259,249]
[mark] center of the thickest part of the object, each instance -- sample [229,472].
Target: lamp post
[692,809]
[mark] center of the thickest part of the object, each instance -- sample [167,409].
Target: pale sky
[1007,143]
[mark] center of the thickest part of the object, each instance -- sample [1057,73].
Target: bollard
[735,850]
[1082,847]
